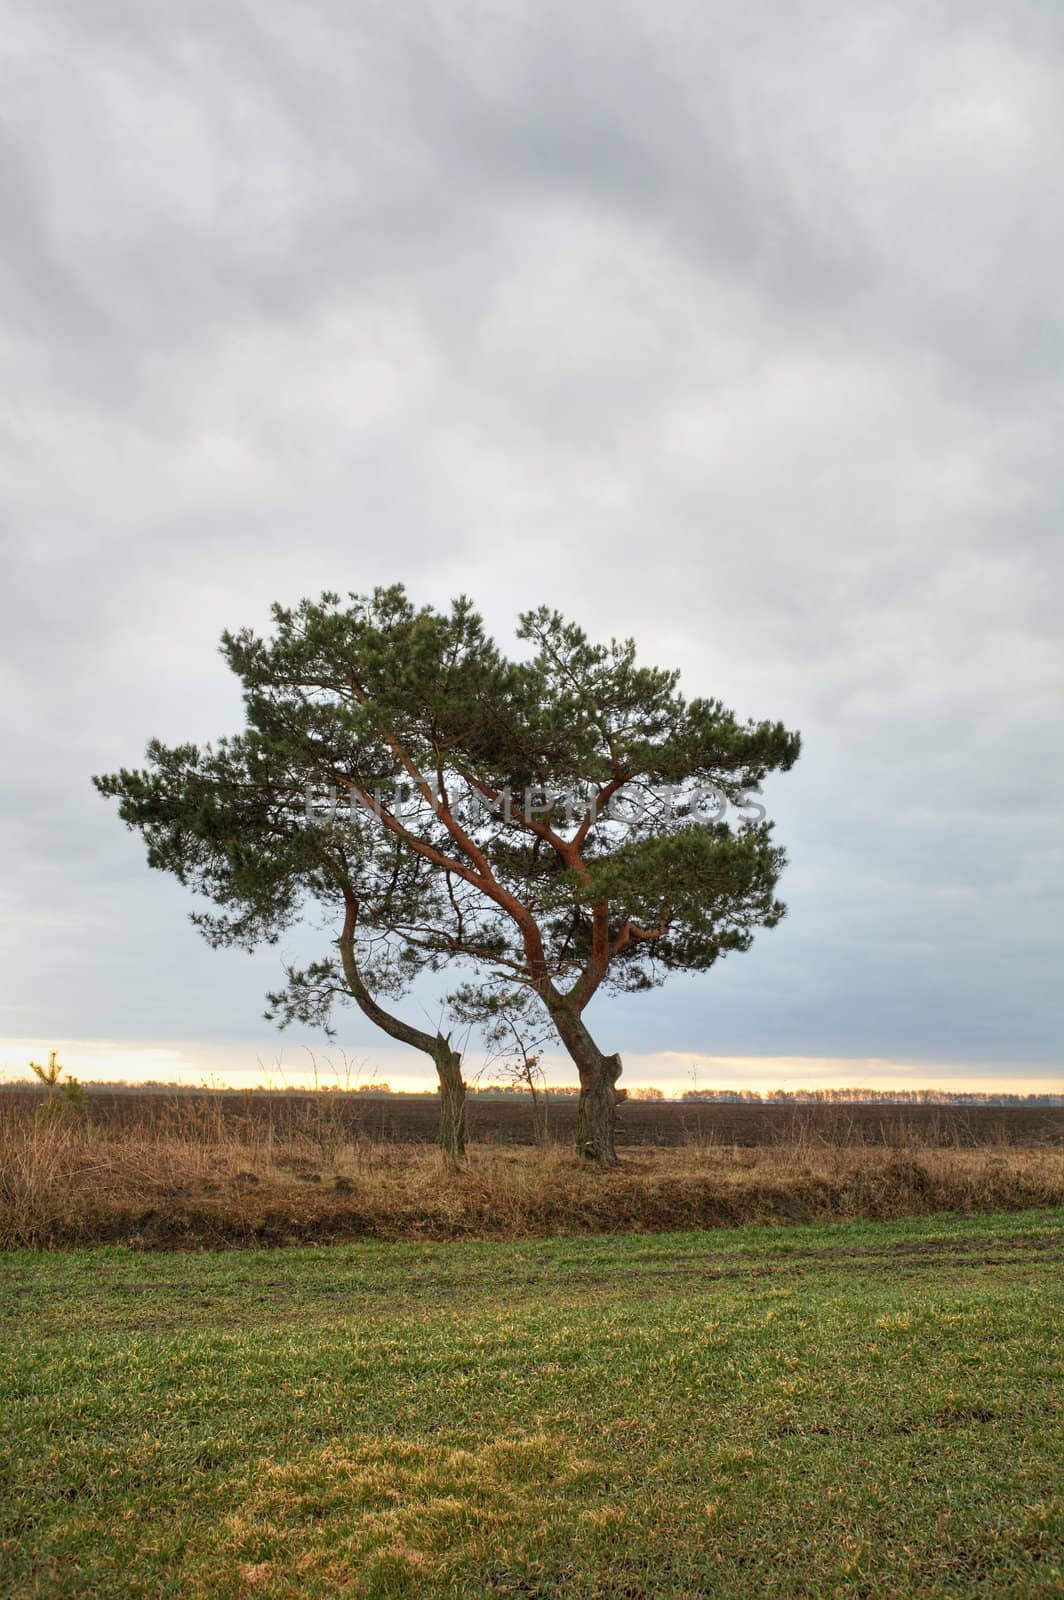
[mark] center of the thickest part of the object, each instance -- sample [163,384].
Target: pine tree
[556,823]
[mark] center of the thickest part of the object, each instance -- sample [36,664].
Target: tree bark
[596,1112]
[451,1136]
[596,1117]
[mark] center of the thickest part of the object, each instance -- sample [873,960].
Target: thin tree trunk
[539,1117]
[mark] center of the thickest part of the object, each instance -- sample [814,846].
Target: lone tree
[556,823]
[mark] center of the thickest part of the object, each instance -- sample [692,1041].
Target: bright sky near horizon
[736,329]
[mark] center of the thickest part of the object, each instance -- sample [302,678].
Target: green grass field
[859,1409]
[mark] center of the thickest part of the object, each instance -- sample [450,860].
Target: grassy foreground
[856,1409]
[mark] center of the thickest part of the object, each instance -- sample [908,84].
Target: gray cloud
[735,330]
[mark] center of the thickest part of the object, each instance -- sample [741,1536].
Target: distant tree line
[876,1097]
[571,1091]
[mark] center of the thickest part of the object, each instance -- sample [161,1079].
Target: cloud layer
[738,331]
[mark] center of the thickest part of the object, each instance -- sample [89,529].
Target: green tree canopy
[558,823]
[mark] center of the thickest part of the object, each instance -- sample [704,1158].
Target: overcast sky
[734,328]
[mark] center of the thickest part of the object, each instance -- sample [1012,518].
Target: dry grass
[198,1179]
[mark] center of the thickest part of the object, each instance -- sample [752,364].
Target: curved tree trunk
[448,1062]
[596,1117]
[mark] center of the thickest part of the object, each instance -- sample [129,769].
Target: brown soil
[413,1119]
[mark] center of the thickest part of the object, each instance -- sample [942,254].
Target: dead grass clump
[191,1179]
